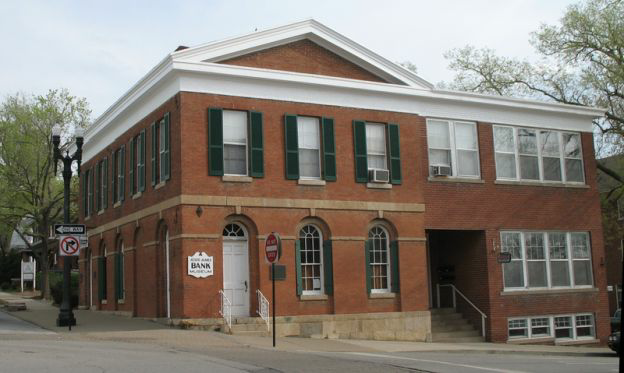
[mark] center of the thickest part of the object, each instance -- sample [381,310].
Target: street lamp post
[66,316]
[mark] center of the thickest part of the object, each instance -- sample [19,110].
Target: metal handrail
[226,309]
[455,290]
[263,309]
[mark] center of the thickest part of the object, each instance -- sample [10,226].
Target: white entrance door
[236,275]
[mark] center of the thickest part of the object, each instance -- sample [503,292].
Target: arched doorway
[236,268]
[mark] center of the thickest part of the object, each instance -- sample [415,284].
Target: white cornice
[180,72]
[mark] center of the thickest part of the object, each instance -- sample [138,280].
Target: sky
[98,50]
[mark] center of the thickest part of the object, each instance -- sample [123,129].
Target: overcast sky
[98,50]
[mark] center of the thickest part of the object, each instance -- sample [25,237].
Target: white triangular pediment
[215,52]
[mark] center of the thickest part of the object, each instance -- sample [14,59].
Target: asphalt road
[27,348]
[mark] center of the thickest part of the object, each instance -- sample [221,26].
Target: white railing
[483,315]
[226,309]
[263,309]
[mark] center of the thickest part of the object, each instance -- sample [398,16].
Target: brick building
[388,194]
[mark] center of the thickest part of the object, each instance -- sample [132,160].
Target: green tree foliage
[582,63]
[31,197]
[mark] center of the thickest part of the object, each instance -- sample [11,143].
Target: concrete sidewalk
[106,326]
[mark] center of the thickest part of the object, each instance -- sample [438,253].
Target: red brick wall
[494,207]
[304,56]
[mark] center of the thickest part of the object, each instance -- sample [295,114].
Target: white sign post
[29,269]
[200,265]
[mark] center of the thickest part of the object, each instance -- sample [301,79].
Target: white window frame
[552,328]
[540,160]
[321,291]
[385,142]
[238,144]
[454,150]
[320,148]
[388,288]
[547,258]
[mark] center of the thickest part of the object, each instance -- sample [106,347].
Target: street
[27,348]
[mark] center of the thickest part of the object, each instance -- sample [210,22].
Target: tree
[582,63]
[31,197]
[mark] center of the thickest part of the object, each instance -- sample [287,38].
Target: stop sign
[271,248]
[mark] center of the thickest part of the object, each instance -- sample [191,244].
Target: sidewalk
[105,326]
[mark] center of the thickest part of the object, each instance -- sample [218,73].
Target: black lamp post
[66,316]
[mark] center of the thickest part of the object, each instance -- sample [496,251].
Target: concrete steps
[450,326]
[249,326]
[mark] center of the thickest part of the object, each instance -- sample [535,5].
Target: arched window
[379,260]
[311,260]
[234,231]
[120,286]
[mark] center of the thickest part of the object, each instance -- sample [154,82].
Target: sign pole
[273,290]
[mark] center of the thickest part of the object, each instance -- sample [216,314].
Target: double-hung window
[137,164]
[453,146]
[537,155]
[87,192]
[382,262]
[235,143]
[310,148]
[102,184]
[313,262]
[160,152]
[377,152]
[542,260]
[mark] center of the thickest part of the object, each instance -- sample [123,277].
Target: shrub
[56,287]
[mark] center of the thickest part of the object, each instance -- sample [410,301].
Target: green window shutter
[117,276]
[329,150]
[154,151]
[167,154]
[114,180]
[102,278]
[298,266]
[328,270]
[122,172]
[131,168]
[359,146]
[141,167]
[215,141]
[91,191]
[395,153]
[256,148]
[85,182]
[105,183]
[291,147]
[394,266]
[369,272]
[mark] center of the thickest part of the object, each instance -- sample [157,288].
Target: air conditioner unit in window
[440,170]
[377,175]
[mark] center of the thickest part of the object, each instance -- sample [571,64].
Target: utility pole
[66,316]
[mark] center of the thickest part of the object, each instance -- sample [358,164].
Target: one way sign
[74,229]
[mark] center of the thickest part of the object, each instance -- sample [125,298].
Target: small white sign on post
[200,265]
[28,272]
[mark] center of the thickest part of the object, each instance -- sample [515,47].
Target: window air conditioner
[377,175]
[440,170]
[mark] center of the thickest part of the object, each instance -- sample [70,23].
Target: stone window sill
[521,341]
[121,301]
[101,212]
[549,291]
[160,185]
[104,301]
[313,297]
[379,185]
[311,182]
[236,179]
[446,179]
[577,342]
[88,217]
[542,184]
[137,195]
[382,295]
